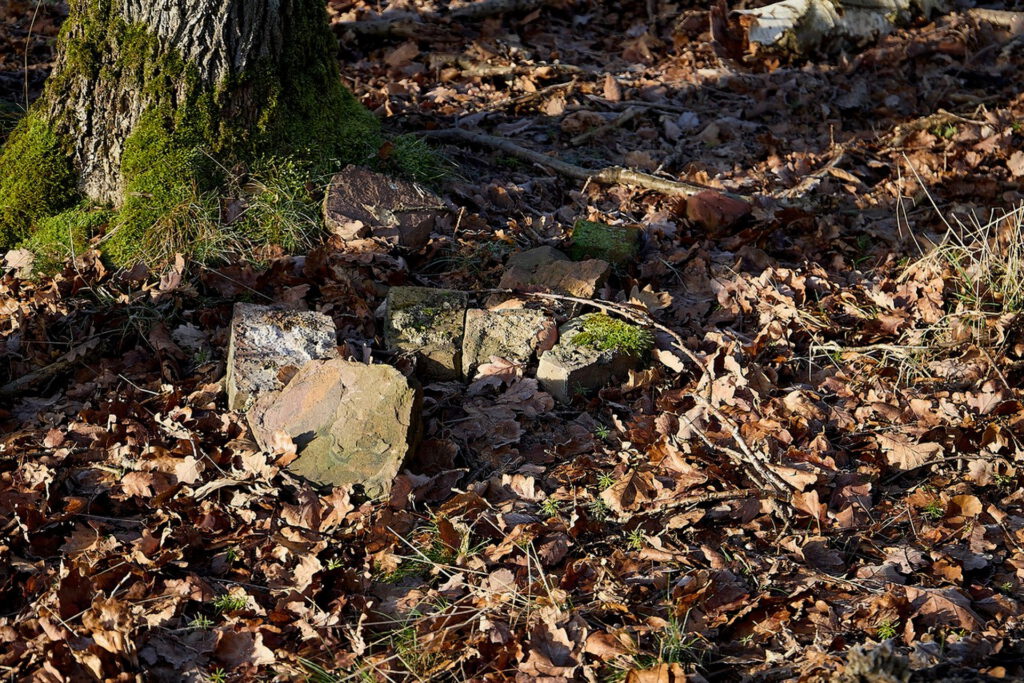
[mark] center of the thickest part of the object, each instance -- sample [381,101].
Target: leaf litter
[856,324]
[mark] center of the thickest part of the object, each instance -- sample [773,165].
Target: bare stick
[65,362]
[610,175]
[755,461]
[619,120]
[403,24]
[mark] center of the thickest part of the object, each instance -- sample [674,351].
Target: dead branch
[610,175]
[62,364]
[1011,21]
[406,24]
[754,461]
[619,120]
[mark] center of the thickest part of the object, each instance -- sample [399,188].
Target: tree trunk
[147,93]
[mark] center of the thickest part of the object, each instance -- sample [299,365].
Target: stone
[616,244]
[265,340]
[512,334]
[351,423]
[429,323]
[360,204]
[572,368]
[548,270]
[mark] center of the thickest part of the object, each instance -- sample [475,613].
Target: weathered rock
[352,423]
[512,334]
[548,270]
[428,322]
[360,203]
[265,340]
[613,243]
[572,368]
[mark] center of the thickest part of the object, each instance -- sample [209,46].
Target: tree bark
[225,45]
[142,89]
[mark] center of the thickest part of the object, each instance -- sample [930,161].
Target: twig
[1011,21]
[527,97]
[709,497]
[619,120]
[58,366]
[756,462]
[404,24]
[610,175]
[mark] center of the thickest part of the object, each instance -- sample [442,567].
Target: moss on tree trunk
[149,102]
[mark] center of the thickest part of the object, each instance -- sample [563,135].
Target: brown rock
[264,341]
[360,203]
[352,423]
[548,270]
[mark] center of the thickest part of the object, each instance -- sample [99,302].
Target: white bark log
[796,26]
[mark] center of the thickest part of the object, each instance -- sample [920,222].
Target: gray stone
[352,423]
[570,369]
[512,334]
[360,203]
[429,323]
[265,340]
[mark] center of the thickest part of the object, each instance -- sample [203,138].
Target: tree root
[409,24]
[610,175]
[753,460]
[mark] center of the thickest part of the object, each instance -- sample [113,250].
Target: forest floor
[860,330]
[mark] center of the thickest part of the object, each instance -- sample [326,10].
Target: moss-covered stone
[593,350]
[616,244]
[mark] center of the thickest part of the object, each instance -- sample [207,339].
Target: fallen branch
[406,24]
[65,362]
[610,175]
[753,460]
[619,120]
[709,497]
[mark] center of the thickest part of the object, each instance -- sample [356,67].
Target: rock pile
[354,423]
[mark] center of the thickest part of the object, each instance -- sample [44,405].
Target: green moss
[602,332]
[60,238]
[10,115]
[612,243]
[166,206]
[36,179]
[307,126]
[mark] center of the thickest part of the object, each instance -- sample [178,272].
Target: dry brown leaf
[902,453]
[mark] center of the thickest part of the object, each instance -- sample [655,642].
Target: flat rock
[512,334]
[548,270]
[429,323]
[352,423]
[569,369]
[264,341]
[360,203]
